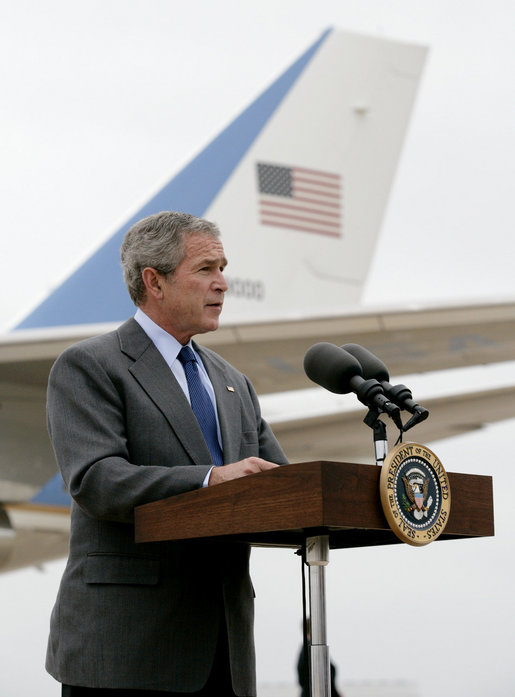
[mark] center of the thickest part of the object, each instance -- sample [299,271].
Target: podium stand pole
[317,558]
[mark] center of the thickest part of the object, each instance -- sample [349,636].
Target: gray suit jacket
[145,616]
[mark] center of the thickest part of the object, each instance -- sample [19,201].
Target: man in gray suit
[160,618]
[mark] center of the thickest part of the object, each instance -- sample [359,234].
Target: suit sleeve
[86,416]
[269,448]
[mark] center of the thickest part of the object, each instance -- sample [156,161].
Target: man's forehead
[205,247]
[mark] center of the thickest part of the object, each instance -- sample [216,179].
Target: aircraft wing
[416,340]
[271,355]
[407,341]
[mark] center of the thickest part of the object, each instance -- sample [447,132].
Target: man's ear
[153,282]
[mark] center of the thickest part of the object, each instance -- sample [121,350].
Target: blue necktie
[201,404]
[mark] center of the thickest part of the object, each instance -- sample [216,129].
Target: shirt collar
[166,344]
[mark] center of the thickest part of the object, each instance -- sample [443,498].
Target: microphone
[338,371]
[373,367]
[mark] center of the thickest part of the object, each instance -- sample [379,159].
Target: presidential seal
[415,493]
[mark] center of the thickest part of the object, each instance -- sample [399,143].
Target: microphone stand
[380,438]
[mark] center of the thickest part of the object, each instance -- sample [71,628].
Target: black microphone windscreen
[371,365]
[329,366]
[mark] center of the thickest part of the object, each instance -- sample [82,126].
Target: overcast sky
[102,101]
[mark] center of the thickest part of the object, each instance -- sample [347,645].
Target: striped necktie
[201,404]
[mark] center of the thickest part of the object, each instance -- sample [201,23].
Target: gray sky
[103,101]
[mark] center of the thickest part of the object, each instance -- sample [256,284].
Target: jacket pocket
[102,567]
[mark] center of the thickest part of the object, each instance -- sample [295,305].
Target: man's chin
[210,326]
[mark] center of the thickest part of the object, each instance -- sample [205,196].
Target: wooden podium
[314,506]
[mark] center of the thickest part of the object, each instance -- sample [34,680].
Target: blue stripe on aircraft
[53,493]
[95,292]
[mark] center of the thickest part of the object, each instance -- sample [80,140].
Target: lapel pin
[231,389]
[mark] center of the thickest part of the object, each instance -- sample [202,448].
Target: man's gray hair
[158,241]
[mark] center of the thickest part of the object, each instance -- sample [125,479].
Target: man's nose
[220,282]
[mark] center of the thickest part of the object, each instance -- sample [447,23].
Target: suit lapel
[155,377]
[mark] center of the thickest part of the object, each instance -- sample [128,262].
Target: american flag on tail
[299,198]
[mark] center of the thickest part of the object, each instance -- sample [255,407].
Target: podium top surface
[283,506]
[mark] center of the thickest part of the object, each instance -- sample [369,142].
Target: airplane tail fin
[298,184]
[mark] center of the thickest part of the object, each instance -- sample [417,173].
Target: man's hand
[239,469]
